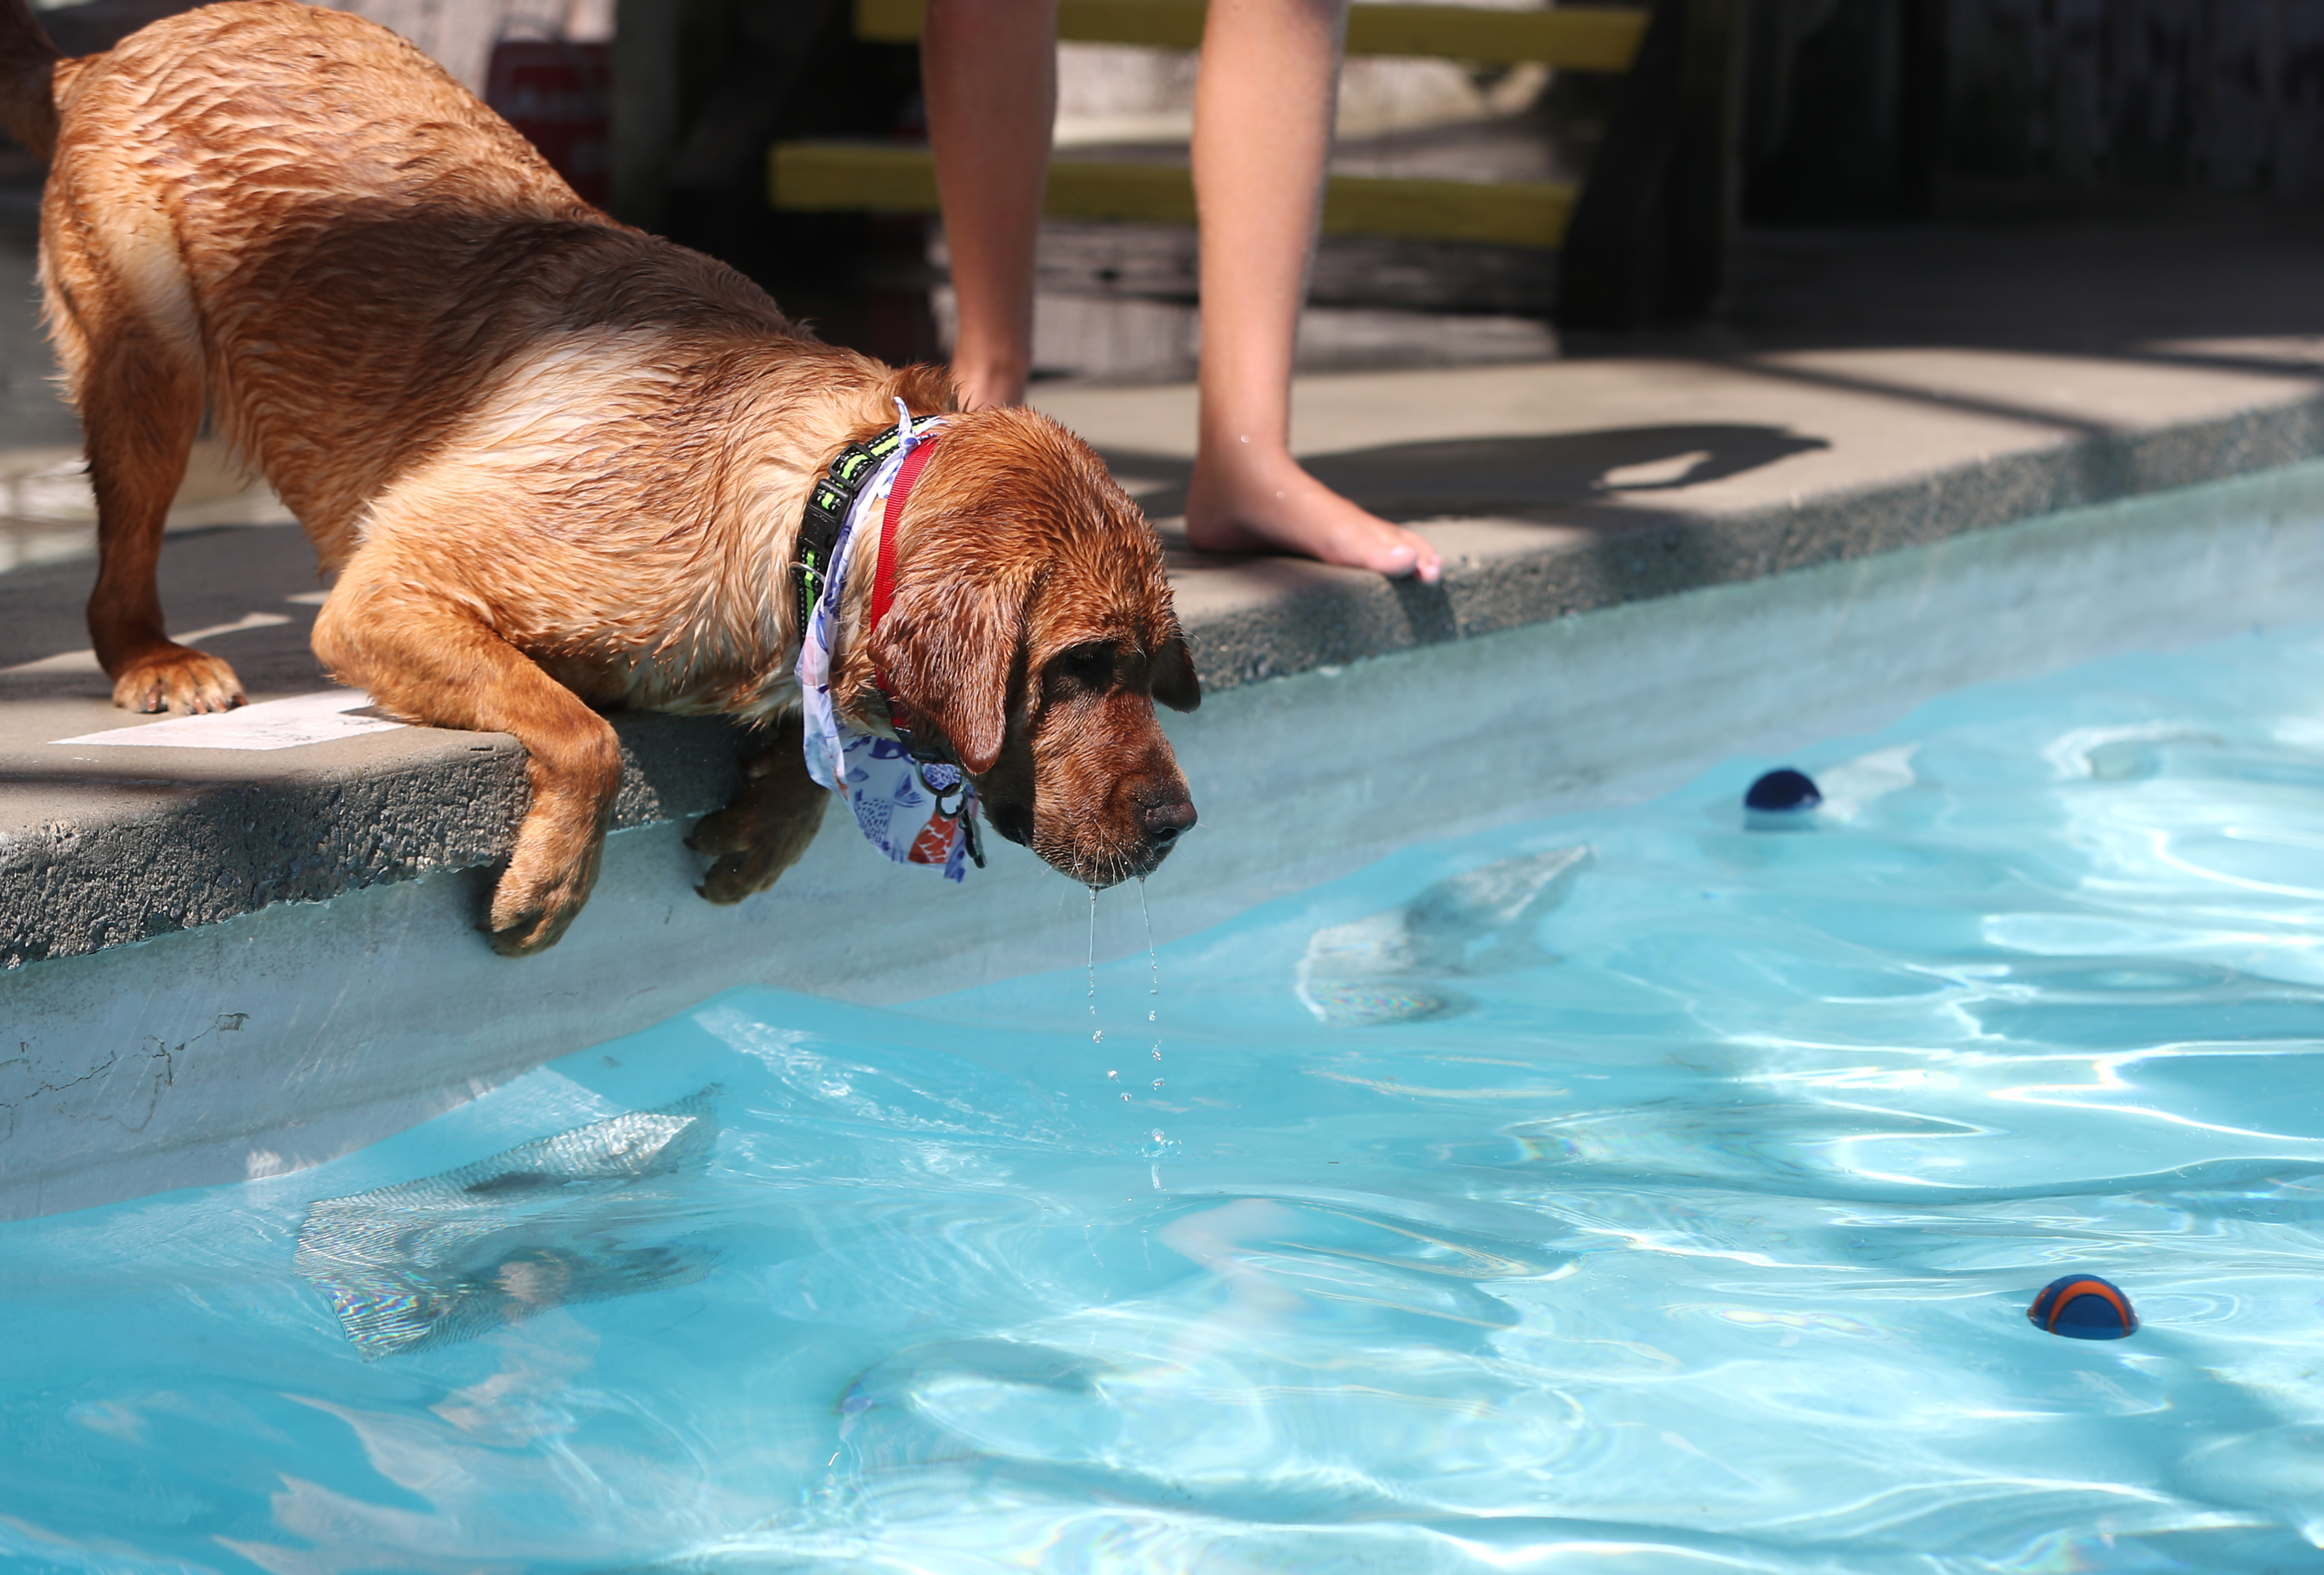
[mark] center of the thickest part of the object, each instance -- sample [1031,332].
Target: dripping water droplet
[1153,963]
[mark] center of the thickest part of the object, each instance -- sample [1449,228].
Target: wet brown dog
[556,465]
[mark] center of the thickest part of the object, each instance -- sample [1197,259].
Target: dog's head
[1032,628]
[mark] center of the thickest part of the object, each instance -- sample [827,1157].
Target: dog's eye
[1085,667]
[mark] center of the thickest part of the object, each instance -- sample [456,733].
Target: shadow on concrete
[208,578]
[102,790]
[1524,477]
[1514,477]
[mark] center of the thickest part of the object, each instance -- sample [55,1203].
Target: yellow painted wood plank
[853,177]
[1508,214]
[888,21]
[1575,38]
[1143,193]
[1165,24]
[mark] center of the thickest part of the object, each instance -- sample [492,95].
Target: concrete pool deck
[221,961]
[1552,489]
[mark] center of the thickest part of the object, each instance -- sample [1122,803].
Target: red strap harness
[883,579]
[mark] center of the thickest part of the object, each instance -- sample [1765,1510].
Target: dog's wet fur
[556,465]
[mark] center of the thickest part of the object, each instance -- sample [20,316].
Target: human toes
[1405,556]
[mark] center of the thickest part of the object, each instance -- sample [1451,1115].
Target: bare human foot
[1259,500]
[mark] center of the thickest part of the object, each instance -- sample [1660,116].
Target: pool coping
[283,1037]
[118,846]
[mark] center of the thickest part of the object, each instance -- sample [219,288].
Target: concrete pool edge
[115,846]
[283,1037]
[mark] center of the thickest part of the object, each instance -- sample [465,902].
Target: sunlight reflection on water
[1631,1190]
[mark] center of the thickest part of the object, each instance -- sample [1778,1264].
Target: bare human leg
[1262,132]
[989,72]
[1263,112]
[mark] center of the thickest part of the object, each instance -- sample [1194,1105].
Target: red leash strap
[883,579]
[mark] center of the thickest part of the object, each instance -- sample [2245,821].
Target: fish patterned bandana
[914,811]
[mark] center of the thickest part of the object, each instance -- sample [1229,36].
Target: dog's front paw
[537,899]
[177,678]
[745,863]
[763,832]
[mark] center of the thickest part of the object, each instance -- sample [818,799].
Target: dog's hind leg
[768,826]
[427,658]
[124,329]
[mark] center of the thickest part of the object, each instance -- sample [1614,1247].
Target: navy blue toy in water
[2083,1306]
[1783,790]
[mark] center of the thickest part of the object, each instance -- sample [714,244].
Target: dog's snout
[1165,821]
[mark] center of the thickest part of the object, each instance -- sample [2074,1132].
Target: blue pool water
[1636,1190]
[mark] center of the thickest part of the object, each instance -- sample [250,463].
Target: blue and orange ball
[2083,1306]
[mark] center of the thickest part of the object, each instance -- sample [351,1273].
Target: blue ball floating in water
[1783,791]
[2083,1306]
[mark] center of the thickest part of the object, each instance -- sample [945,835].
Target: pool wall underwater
[291,1035]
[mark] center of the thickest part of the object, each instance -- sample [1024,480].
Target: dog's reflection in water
[546,1225]
[1393,966]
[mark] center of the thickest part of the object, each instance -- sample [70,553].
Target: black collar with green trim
[827,503]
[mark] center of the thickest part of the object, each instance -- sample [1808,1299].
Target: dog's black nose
[1163,822]
[1014,821]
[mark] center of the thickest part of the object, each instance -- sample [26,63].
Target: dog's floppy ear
[1175,683]
[951,653]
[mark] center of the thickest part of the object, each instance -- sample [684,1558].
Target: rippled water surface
[1638,1190]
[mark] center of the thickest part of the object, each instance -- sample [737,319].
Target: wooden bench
[1644,241]
[828,176]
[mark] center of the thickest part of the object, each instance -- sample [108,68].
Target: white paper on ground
[307,719]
